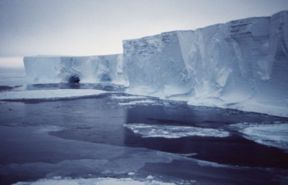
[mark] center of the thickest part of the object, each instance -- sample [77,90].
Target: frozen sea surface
[97,181]
[99,139]
[89,138]
[49,94]
[275,135]
[172,131]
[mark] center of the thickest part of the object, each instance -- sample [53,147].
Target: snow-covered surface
[275,135]
[48,94]
[172,131]
[96,181]
[90,69]
[137,102]
[128,98]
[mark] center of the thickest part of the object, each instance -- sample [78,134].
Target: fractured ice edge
[241,64]
[172,131]
[275,135]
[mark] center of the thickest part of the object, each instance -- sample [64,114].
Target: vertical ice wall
[227,57]
[155,65]
[91,69]
[230,63]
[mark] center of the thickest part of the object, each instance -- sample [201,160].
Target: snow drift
[242,64]
[90,69]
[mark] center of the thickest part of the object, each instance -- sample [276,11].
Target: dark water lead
[101,120]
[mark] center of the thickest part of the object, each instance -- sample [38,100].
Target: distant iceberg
[86,69]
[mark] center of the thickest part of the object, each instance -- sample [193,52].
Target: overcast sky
[85,27]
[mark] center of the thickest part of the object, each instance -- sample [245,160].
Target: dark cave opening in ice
[74,79]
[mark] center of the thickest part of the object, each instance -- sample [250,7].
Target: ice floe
[95,181]
[124,98]
[275,135]
[137,102]
[172,131]
[48,94]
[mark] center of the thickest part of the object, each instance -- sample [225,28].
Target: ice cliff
[90,69]
[241,64]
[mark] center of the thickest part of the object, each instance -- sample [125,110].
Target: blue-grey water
[87,137]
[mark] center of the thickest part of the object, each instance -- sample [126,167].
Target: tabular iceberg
[90,69]
[241,64]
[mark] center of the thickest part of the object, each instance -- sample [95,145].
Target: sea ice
[48,94]
[275,135]
[172,131]
[137,102]
[95,181]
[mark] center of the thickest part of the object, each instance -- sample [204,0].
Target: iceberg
[87,69]
[241,64]
[154,65]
